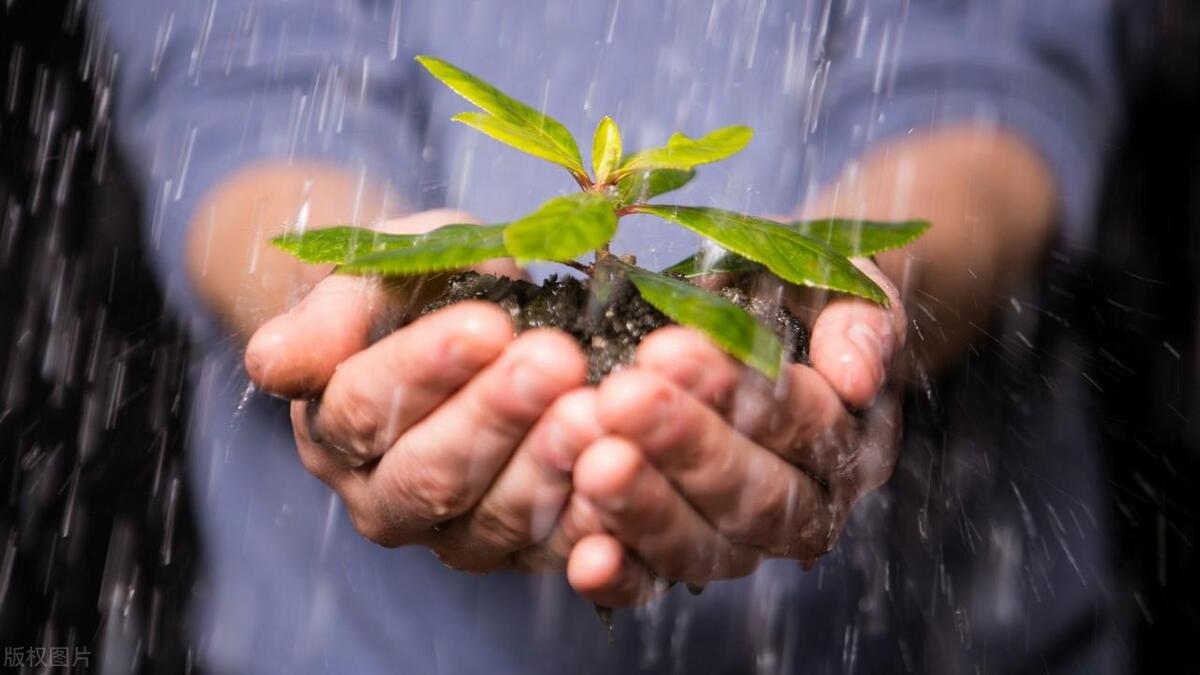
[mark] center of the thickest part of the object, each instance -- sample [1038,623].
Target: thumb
[294,354]
[854,342]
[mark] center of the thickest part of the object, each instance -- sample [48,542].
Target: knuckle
[461,546]
[761,521]
[828,431]
[766,513]
[539,560]
[819,533]
[311,458]
[868,477]
[877,476]
[439,494]
[644,407]
[847,465]
[504,533]
[466,561]
[373,528]
[348,414]
[450,556]
[754,411]
[579,520]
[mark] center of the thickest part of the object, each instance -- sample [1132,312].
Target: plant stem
[578,266]
[585,183]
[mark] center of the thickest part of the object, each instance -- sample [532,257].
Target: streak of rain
[1041,506]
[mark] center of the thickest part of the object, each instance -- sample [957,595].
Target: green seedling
[566,229]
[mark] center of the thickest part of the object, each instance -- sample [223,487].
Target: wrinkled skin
[453,433]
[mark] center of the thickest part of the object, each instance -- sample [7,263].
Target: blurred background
[98,544]
[96,519]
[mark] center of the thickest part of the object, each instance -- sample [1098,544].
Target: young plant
[563,229]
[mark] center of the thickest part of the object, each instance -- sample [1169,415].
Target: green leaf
[606,148]
[855,238]
[508,109]
[515,135]
[734,329]
[682,152]
[338,244]
[789,254]
[447,248]
[563,228]
[851,238]
[641,186]
[723,262]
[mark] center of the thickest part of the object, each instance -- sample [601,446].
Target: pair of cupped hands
[489,448]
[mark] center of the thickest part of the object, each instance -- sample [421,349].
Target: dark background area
[97,549]
[98,546]
[1142,317]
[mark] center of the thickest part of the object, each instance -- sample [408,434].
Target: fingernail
[866,339]
[870,343]
[314,429]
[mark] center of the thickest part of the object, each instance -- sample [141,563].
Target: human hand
[449,432]
[706,468]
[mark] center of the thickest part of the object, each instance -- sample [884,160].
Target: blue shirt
[1004,577]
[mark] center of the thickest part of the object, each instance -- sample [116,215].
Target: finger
[746,492]
[577,520]
[808,425]
[643,511]
[854,341]
[602,571]
[317,459]
[378,393]
[692,362]
[799,417]
[877,445]
[443,464]
[294,354]
[424,221]
[523,505]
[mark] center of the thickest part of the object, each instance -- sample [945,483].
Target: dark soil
[608,333]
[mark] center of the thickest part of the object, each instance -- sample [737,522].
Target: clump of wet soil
[610,332]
